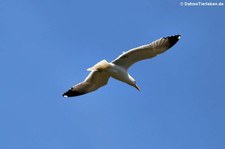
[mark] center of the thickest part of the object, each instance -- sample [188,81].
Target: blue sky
[47,45]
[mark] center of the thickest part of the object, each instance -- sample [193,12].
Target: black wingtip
[173,40]
[71,93]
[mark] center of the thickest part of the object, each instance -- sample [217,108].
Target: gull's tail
[100,66]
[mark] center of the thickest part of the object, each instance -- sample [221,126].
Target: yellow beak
[137,87]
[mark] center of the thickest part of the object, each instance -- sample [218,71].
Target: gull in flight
[118,68]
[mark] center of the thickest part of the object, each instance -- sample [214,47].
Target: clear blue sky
[46,46]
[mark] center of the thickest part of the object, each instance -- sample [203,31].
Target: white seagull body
[118,68]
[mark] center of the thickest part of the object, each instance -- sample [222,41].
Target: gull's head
[133,83]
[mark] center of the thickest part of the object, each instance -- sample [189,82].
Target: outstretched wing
[132,56]
[94,80]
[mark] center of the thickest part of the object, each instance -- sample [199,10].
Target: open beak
[137,87]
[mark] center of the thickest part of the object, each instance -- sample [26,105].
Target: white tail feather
[100,66]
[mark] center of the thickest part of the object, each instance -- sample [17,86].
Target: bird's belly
[118,73]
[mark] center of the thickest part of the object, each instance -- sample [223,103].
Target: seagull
[118,68]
